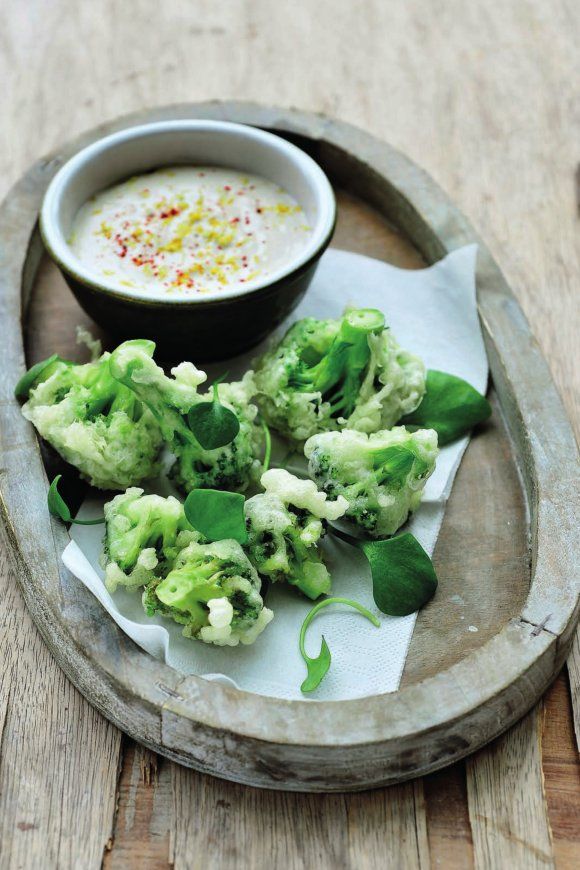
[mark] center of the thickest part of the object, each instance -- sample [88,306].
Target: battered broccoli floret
[214,592]
[93,421]
[144,534]
[211,589]
[285,524]
[326,374]
[381,475]
[171,398]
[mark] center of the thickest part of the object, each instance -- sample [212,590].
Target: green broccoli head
[144,534]
[93,421]
[214,592]
[171,398]
[381,475]
[285,524]
[325,374]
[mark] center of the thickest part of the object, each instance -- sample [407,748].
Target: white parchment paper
[431,312]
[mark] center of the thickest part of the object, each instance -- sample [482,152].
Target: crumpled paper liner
[431,312]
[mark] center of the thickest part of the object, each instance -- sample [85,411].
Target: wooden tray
[505,556]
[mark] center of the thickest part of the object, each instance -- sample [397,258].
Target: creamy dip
[188,230]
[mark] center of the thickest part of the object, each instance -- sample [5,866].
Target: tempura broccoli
[171,398]
[285,524]
[214,592]
[381,475]
[210,589]
[92,420]
[325,374]
[144,534]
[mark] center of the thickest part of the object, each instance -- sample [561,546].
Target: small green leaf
[56,504]
[450,405]
[29,378]
[219,516]
[318,667]
[403,575]
[212,423]
[59,508]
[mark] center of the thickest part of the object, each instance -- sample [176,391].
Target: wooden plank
[449,830]
[574,673]
[507,807]
[237,828]
[226,826]
[561,774]
[140,839]
[58,760]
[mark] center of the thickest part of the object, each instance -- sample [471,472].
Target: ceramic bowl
[217,324]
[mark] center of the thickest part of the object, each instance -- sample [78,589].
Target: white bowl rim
[61,252]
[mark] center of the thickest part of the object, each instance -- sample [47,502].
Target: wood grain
[296,831]
[561,773]
[59,758]
[508,832]
[482,95]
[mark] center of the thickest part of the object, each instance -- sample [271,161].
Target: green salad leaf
[450,405]
[318,667]
[217,514]
[403,575]
[59,508]
[212,423]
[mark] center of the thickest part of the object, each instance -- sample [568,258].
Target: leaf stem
[350,539]
[324,603]
[87,522]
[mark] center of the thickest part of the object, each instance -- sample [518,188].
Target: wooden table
[485,97]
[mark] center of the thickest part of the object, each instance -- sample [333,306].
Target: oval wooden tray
[505,557]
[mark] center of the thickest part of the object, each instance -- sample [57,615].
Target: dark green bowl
[214,325]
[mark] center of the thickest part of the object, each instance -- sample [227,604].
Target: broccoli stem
[325,603]
[339,374]
[267,445]
[361,321]
[394,464]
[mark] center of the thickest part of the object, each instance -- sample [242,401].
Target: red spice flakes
[171,212]
[122,245]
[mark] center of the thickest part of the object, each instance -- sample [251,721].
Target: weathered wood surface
[480,95]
